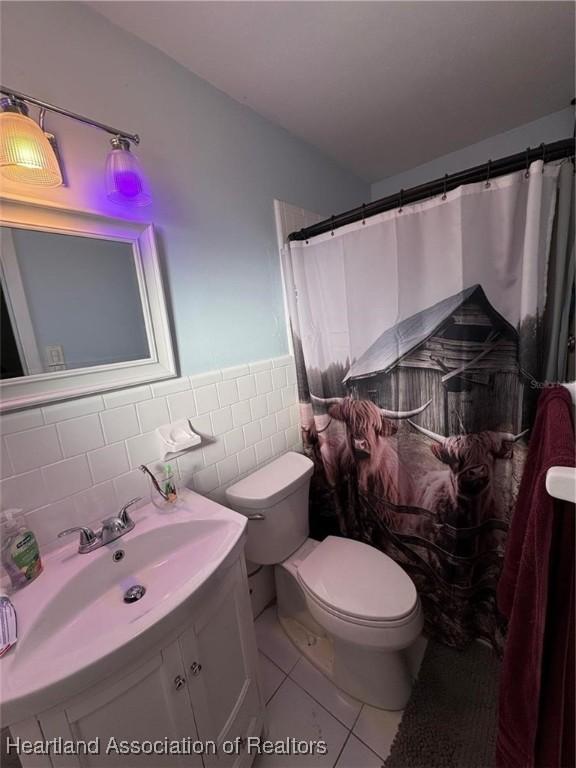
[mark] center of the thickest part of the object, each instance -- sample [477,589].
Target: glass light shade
[125,182]
[26,155]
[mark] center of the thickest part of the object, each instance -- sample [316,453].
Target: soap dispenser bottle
[19,549]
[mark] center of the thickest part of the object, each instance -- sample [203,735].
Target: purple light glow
[125,182]
[128,183]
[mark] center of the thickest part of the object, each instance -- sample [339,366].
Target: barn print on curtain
[416,339]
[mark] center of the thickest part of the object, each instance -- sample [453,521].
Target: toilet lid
[358,580]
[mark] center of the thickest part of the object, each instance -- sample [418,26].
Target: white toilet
[347,606]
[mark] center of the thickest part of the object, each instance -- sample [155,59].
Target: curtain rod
[133,137]
[547,152]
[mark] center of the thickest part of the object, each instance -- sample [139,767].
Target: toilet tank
[275,500]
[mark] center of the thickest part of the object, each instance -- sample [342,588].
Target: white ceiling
[379,86]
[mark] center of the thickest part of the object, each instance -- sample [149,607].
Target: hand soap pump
[19,548]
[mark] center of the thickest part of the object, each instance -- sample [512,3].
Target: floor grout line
[288,676]
[280,684]
[372,748]
[344,725]
[271,660]
[350,730]
[346,740]
[276,692]
[357,717]
[276,663]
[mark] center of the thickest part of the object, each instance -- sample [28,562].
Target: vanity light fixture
[26,154]
[125,181]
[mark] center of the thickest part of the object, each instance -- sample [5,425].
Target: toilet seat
[360,622]
[357,583]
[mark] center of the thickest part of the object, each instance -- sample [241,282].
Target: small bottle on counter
[20,554]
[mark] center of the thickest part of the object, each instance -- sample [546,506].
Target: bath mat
[450,720]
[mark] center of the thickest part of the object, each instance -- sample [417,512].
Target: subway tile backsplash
[75,462]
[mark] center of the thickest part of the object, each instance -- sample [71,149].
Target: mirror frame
[49,387]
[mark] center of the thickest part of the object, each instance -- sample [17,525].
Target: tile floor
[303,704]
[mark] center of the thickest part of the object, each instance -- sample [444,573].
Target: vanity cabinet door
[150,703]
[219,652]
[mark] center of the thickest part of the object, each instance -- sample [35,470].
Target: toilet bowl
[348,607]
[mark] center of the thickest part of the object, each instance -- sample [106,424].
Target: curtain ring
[543,148]
[444,186]
[488,169]
[401,196]
[332,220]
[527,170]
[363,214]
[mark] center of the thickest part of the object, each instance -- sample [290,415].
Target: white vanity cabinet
[220,657]
[201,685]
[146,703]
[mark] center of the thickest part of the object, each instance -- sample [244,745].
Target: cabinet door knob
[179,681]
[196,668]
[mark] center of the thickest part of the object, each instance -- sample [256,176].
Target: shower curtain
[416,336]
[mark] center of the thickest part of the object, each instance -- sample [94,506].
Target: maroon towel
[536,594]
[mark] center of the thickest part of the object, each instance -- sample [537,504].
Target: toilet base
[380,678]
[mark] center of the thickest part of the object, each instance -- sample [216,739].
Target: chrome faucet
[112,528]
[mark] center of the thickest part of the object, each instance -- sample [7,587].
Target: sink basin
[74,626]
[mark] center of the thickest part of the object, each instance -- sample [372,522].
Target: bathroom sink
[74,625]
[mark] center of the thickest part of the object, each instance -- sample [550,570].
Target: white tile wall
[33,448]
[76,462]
[120,423]
[153,413]
[182,405]
[227,392]
[241,413]
[80,435]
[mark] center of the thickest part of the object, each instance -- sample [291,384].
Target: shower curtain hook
[444,186]
[543,148]
[332,220]
[401,196]
[363,214]
[489,166]
[527,171]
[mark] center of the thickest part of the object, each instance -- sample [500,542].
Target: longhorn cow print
[463,495]
[364,446]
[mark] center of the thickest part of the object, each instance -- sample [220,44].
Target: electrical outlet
[55,357]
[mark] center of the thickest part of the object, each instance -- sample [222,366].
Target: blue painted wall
[214,165]
[558,125]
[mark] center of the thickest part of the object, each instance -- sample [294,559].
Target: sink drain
[134,594]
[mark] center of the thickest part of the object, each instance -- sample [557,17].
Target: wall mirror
[82,305]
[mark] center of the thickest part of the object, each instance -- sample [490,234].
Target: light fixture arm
[133,137]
